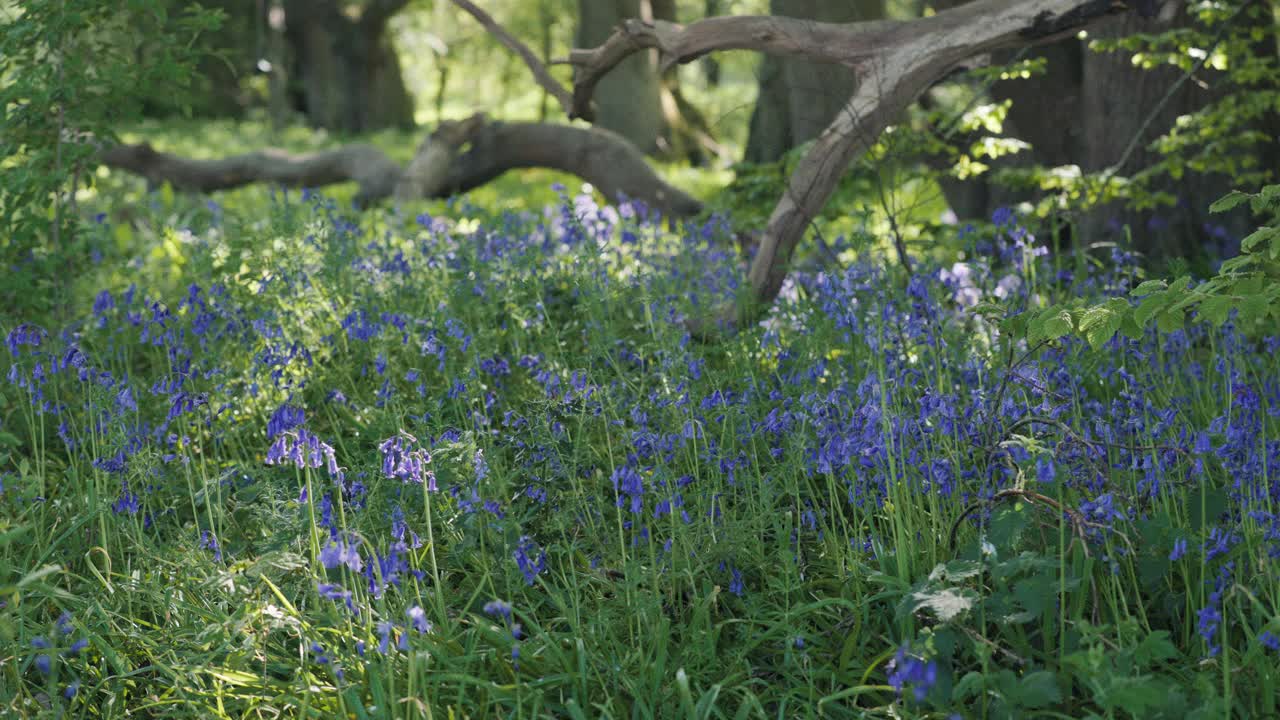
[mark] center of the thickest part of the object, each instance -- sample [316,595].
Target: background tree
[345,66]
[628,102]
[799,97]
[1093,108]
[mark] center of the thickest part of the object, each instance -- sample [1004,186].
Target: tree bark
[457,157]
[1086,110]
[628,102]
[348,71]
[1118,99]
[894,63]
[798,98]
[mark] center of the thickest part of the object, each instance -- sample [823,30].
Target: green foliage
[1245,289]
[72,71]
[1231,48]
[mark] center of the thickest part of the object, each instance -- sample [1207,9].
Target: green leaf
[945,604]
[1170,320]
[1228,201]
[1155,648]
[1256,238]
[1216,309]
[1101,323]
[1150,306]
[1148,287]
[1135,695]
[1056,323]
[1038,689]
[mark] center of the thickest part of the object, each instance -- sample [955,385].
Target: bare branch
[895,63]
[539,70]
[845,44]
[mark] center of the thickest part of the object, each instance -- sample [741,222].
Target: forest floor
[266,457]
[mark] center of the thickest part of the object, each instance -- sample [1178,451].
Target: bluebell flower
[341,552]
[1179,549]
[72,689]
[498,608]
[418,618]
[321,658]
[629,485]
[1046,470]
[336,593]
[530,559]
[1269,640]
[285,418]
[403,460]
[25,334]
[907,669]
[209,541]
[384,636]
[303,450]
[127,502]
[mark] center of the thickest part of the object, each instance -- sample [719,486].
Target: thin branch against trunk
[456,157]
[539,70]
[895,61]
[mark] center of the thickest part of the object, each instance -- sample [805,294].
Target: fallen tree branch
[895,61]
[458,156]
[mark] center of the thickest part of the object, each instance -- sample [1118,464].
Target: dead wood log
[895,61]
[458,156]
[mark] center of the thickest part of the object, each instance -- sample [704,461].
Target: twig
[539,70]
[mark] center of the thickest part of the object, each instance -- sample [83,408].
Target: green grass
[864,478]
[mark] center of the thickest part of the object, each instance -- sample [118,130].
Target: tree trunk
[798,98]
[348,72]
[1117,100]
[710,65]
[895,62]
[1086,110]
[628,101]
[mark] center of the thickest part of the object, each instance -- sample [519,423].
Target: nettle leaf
[1254,307]
[1148,287]
[1038,689]
[1155,648]
[1228,201]
[955,570]
[1130,327]
[1135,695]
[945,604]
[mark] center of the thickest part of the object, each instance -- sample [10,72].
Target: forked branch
[512,43]
[895,61]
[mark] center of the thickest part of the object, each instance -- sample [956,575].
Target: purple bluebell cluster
[539,373]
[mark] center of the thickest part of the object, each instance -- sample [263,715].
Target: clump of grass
[472,464]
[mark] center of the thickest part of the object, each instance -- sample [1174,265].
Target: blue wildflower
[907,669]
[530,566]
[418,618]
